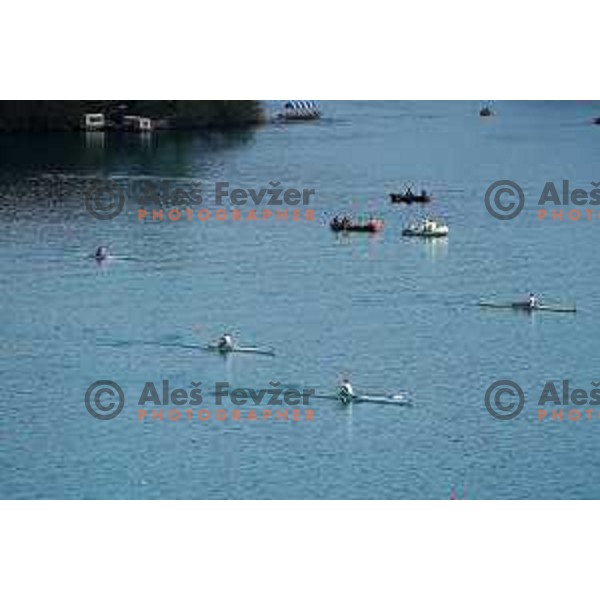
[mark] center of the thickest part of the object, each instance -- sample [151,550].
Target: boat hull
[424,234]
[373,227]
[409,198]
[527,308]
[288,118]
[241,350]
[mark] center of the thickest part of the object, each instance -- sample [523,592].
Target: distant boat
[597,121]
[528,307]
[299,110]
[346,224]
[486,111]
[408,197]
[427,228]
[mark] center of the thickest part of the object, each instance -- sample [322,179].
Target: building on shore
[135,123]
[98,122]
[93,122]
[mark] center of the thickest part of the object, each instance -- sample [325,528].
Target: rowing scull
[241,349]
[527,307]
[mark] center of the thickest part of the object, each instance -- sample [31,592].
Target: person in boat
[346,392]
[101,253]
[533,301]
[225,343]
[341,223]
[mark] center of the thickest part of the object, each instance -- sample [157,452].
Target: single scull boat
[241,349]
[225,345]
[527,307]
[347,395]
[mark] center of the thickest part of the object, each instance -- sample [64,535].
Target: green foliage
[57,115]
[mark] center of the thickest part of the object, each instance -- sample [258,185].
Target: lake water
[392,313]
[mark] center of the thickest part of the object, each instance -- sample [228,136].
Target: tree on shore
[66,115]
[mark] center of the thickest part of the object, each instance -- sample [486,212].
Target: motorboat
[427,228]
[408,197]
[486,111]
[299,110]
[347,224]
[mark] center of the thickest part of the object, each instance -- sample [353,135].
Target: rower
[226,342]
[533,301]
[101,253]
[346,392]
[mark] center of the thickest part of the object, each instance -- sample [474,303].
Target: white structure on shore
[94,122]
[98,122]
[135,123]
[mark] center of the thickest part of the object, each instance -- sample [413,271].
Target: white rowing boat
[398,399]
[241,349]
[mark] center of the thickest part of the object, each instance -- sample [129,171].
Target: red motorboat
[343,224]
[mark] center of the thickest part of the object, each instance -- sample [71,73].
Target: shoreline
[139,116]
